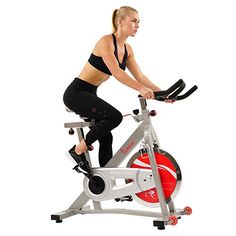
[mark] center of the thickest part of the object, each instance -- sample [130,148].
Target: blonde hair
[122,12]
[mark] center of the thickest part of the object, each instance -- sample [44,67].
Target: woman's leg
[105,149]
[89,105]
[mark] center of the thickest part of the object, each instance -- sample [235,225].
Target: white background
[44,45]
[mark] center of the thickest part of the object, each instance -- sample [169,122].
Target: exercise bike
[152,176]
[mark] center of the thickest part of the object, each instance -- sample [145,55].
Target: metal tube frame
[144,132]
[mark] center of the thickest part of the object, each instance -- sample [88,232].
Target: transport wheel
[173,220]
[188,210]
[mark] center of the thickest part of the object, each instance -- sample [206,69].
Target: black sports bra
[99,64]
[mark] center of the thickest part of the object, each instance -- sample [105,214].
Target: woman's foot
[82,165]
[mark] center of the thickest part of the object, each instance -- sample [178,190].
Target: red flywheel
[169,172]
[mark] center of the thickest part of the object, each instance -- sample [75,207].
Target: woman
[110,56]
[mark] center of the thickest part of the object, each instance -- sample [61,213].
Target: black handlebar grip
[169,90]
[161,99]
[188,93]
[177,91]
[173,92]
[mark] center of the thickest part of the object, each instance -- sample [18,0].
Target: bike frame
[169,215]
[145,132]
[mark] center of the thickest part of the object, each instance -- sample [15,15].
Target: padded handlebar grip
[169,90]
[173,92]
[188,93]
[177,91]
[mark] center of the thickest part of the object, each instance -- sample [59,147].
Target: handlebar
[173,92]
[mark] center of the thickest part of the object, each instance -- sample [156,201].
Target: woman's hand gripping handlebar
[173,93]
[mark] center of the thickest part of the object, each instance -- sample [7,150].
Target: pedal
[77,169]
[128,198]
[88,175]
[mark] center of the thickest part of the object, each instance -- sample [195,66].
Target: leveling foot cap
[159,224]
[56,218]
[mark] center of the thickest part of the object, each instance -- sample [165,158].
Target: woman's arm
[107,52]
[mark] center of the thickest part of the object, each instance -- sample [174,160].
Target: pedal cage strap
[78,165]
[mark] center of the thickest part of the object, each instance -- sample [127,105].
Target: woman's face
[130,24]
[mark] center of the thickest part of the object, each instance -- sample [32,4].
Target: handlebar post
[143,103]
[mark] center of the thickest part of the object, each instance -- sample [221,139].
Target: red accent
[127,149]
[152,113]
[173,220]
[188,210]
[90,148]
[71,131]
[167,179]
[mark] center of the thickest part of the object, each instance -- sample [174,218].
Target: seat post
[79,128]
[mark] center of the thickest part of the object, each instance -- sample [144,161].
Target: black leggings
[80,96]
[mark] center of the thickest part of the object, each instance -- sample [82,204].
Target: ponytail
[114,24]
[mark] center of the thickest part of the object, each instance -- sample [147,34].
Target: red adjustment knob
[188,210]
[90,148]
[173,220]
[71,131]
[152,113]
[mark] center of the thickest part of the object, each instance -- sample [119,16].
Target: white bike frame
[145,133]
